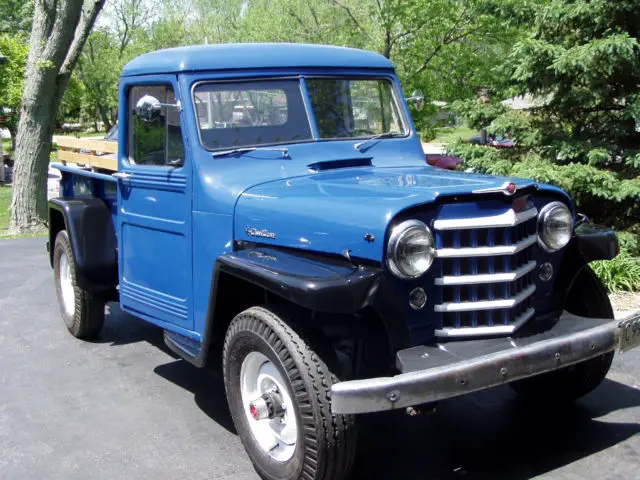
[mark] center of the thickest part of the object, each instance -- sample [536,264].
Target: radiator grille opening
[487,273]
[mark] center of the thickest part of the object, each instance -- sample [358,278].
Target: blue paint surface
[252,56]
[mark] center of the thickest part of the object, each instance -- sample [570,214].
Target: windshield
[238,114]
[354,108]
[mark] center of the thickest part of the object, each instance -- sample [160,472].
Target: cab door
[154,201]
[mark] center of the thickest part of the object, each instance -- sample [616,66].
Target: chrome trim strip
[487,251]
[501,189]
[485,304]
[483,331]
[507,219]
[486,278]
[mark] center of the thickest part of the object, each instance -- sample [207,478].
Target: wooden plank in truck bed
[85,151]
[97,161]
[91,144]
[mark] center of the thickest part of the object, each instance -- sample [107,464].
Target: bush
[620,274]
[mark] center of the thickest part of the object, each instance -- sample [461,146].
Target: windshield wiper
[362,145]
[222,153]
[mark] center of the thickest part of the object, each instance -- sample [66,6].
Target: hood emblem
[508,188]
[254,232]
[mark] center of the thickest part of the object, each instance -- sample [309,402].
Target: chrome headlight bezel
[547,214]
[399,234]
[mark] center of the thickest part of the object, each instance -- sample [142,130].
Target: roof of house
[252,55]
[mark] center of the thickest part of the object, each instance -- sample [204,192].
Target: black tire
[87,317]
[587,298]
[326,443]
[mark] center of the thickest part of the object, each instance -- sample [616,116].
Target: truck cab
[273,213]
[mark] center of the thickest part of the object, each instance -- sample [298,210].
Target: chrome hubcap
[268,407]
[66,286]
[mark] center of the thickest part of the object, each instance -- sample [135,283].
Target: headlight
[410,250]
[555,226]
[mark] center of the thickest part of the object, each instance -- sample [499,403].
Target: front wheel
[278,391]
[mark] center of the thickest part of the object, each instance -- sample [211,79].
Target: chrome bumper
[437,372]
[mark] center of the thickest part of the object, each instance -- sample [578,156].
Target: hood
[347,209]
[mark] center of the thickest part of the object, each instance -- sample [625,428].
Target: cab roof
[235,56]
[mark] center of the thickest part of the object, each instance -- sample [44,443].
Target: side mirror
[416,99]
[149,108]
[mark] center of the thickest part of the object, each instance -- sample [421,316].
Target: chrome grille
[487,273]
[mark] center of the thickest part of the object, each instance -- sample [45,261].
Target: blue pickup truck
[273,213]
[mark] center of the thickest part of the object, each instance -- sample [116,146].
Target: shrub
[620,274]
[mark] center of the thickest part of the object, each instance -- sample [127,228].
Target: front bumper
[437,372]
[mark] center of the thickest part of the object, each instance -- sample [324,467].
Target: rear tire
[587,298]
[323,445]
[82,311]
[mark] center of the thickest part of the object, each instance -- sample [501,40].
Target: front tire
[278,391]
[587,298]
[82,311]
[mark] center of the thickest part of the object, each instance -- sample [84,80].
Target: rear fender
[93,240]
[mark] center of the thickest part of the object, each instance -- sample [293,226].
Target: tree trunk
[60,29]
[103,110]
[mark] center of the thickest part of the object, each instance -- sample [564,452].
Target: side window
[158,142]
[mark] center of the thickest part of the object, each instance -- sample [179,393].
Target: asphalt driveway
[123,407]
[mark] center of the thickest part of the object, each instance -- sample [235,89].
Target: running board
[186,348]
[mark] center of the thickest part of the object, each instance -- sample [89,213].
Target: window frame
[310,121]
[129,114]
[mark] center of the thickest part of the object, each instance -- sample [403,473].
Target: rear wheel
[82,311]
[278,391]
[587,298]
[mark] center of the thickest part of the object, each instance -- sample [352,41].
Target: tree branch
[450,38]
[87,20]
[352,17]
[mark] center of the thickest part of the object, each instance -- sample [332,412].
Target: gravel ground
[625,303]
[123,407]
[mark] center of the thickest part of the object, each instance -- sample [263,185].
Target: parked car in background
[497,141]
[446,162]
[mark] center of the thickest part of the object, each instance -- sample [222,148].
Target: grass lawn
[5,201]
[447,135]
[90,134]
[6,145]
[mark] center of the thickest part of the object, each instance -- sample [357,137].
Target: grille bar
[487,251]
[483,331]
[486,278]
[507,219]
[486,304]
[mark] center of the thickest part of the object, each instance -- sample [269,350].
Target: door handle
[122,175]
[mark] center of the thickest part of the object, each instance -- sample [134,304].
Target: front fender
[319,283]
[590,242]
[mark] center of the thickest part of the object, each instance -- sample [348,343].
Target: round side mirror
[148,108]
